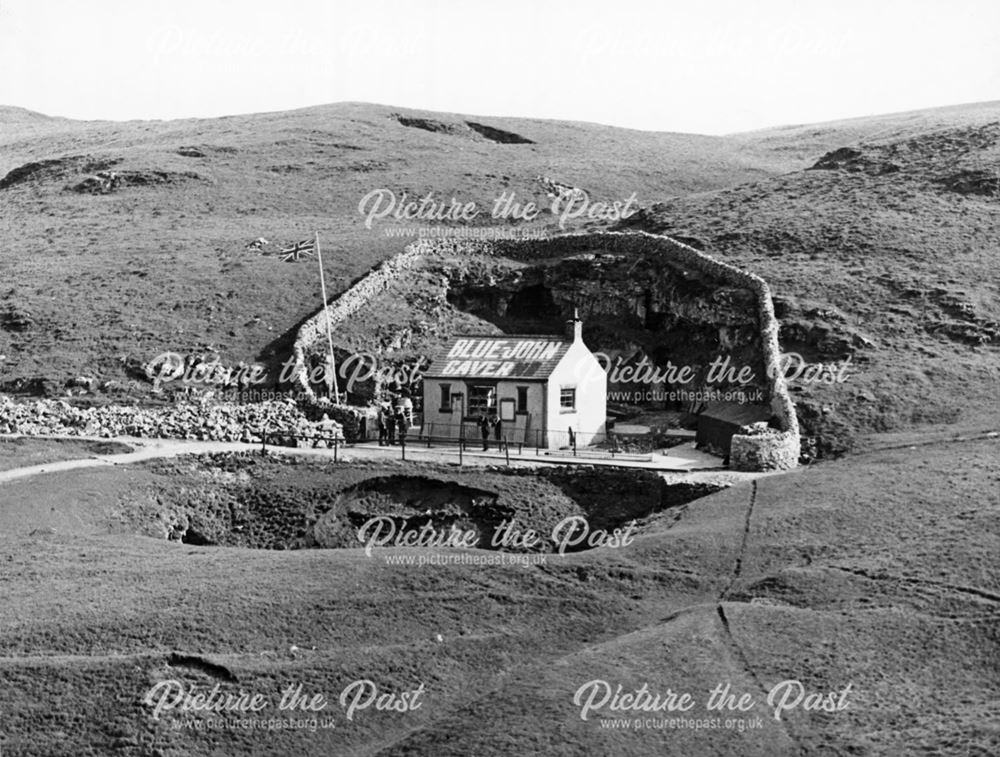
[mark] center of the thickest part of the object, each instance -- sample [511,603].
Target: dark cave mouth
[633,329]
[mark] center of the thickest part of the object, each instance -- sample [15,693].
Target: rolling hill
[883,252]
[97,280]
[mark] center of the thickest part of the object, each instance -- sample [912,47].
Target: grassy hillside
[884,251]
[878,573]
[885,256]
[93,280]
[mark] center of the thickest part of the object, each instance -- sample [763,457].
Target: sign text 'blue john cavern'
[498,357]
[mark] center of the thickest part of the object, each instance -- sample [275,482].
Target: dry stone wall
[313,331]
[220,422]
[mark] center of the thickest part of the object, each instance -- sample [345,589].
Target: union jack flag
[297,250]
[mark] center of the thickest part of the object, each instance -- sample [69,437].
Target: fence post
[263,441]
[402,445]
[574,442]
[461,447]
[506,449]
[336,444]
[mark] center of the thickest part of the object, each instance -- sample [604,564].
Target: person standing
[402,426]
[390,426]
[383,431]
[484,429]
[406,404]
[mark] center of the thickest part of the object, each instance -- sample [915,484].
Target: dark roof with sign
[502,357]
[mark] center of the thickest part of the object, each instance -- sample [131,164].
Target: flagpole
[326,310]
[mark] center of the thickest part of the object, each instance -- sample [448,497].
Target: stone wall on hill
[282,421]
[313,331]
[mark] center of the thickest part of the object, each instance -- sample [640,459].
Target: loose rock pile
[208,422]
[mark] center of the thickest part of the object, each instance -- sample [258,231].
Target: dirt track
[689,461]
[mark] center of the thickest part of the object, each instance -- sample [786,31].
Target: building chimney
[574,328]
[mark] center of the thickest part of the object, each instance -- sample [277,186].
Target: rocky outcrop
[498,135]
[104,182]
[56,168]
[427,124]
[973,182]
[786,434]
[854,161]
[631,305]
[466,129]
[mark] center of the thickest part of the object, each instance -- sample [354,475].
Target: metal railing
[468,437]
[454,436]
[470,434]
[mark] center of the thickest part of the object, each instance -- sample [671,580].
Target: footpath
[674,463]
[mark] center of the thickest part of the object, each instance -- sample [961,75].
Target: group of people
[394,421]
[395,418]
[487,423]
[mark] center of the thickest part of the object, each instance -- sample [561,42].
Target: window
[482,399]
[567,399]
[522,399]
[445,398]
[507,410]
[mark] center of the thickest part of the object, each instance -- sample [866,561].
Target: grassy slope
[128,275]
[24,451]
[894,268]
[110,280]
[831,580]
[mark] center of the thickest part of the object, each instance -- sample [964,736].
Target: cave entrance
[533,311]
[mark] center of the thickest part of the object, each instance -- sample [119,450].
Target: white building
[546,390]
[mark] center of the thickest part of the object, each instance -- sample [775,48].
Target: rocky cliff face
[631,306]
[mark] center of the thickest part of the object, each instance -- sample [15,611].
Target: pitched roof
[506,357]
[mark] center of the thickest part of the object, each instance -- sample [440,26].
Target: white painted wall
[578,368]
